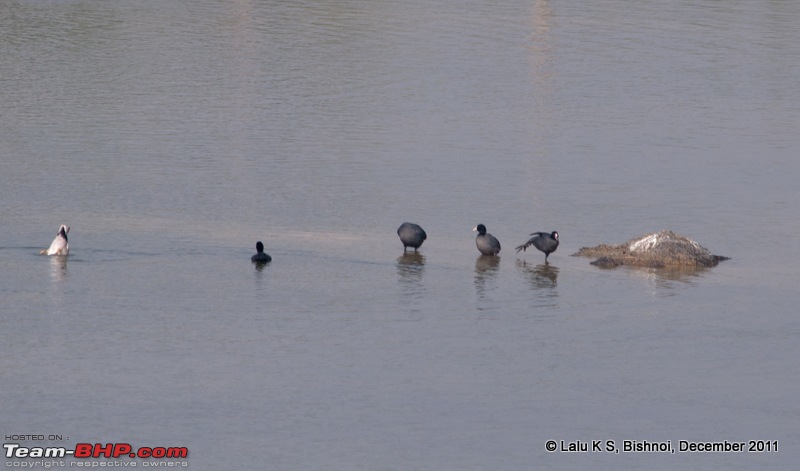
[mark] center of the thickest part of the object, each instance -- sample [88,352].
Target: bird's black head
[481,229]
[259,247]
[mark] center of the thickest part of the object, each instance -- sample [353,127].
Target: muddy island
[657,250]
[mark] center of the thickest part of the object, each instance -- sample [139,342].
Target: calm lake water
[171,136]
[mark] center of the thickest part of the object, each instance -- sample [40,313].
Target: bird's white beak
[475,229]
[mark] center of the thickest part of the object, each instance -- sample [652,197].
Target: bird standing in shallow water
[260,257]
[60,245]
[487,244]
[411,235]
[547,243]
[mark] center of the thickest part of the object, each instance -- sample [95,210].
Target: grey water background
[172,135]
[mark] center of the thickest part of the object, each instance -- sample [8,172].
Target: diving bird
[547,243]
[411,235]
[487,244]
[260,257]
[60,245]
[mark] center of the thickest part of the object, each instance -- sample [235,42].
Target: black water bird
[547,243]
[260,257]
[487,244]
[411,235]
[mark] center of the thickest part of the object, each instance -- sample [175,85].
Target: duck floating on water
[60,245]
[260,257]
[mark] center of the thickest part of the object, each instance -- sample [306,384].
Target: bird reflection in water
[543,279]
[540,275]
[486,264]
[410,267]
[58,267]
[486,268]
[260,266]
[59,277]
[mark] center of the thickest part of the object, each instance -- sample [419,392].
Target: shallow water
[171,138]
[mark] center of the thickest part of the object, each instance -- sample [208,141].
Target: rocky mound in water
[656,250]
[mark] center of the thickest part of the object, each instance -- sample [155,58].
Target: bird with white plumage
[60,245]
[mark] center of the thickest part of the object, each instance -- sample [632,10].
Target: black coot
[547,243]
[486,243]
[260,257]
[411,235]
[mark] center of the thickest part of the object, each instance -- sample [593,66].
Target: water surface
[172,137]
